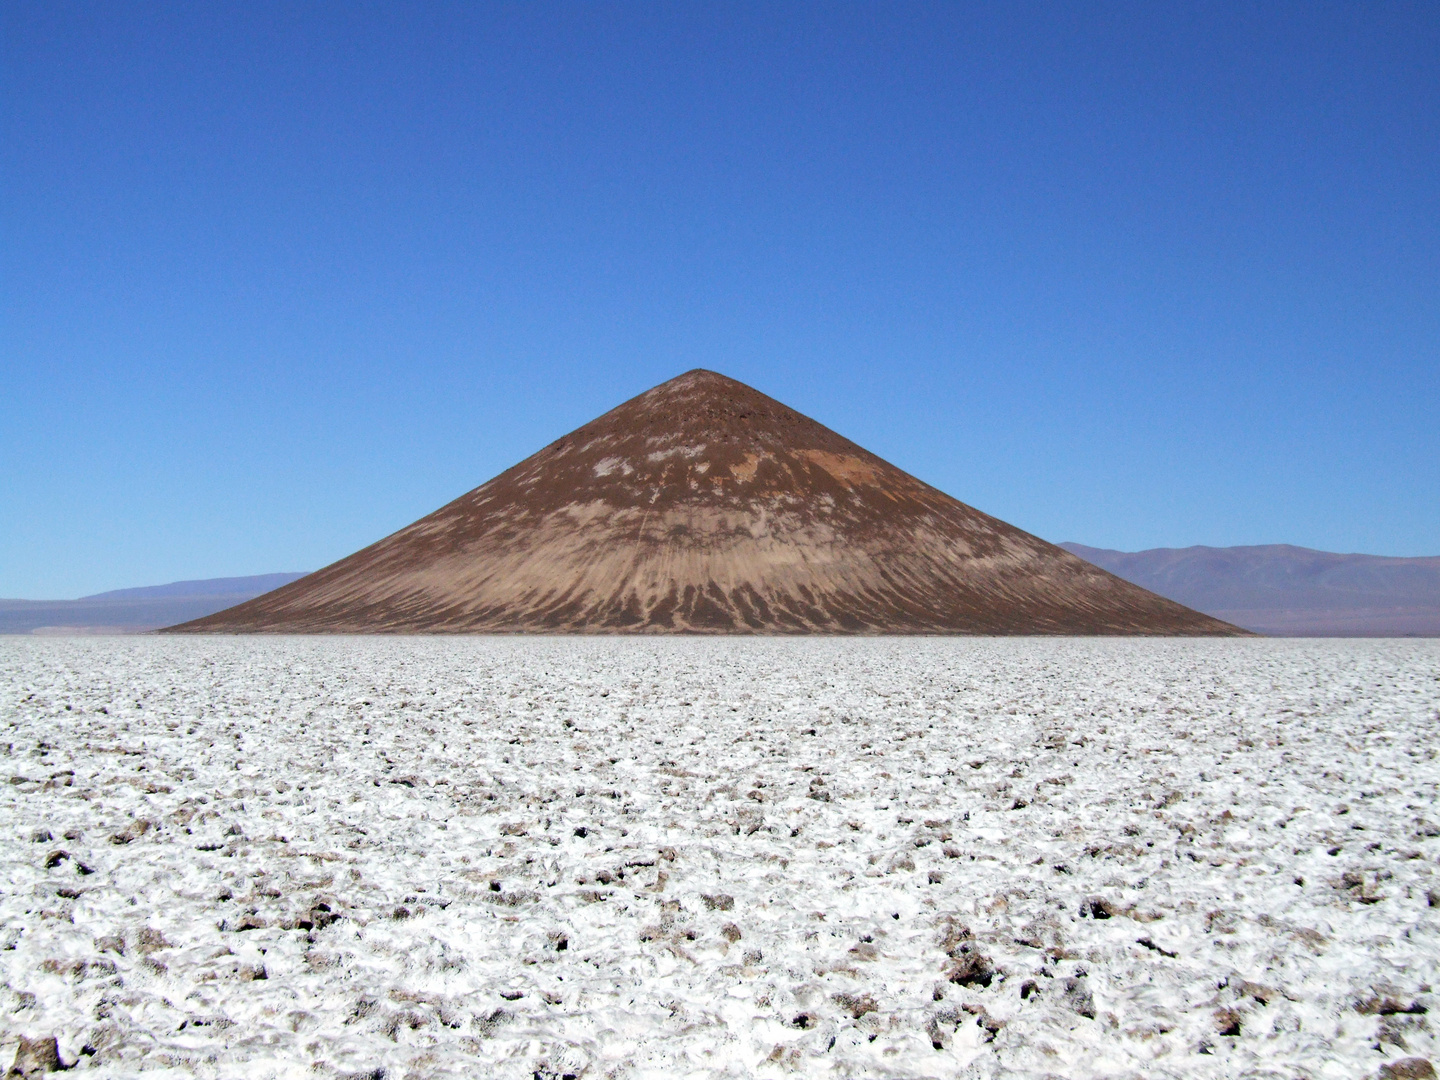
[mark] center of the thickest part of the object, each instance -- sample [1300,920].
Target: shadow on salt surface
[324,857]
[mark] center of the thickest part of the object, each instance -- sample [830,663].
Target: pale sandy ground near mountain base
[671,858]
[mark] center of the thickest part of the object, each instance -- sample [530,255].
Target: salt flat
[665,858]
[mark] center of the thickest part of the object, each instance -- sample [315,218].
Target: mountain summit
[703,506]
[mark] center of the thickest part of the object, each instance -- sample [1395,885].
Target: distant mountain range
[132,611]
[1289,591]
[1273,589]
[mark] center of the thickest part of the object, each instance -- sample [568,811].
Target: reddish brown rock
[1413,1068]
[35,1057]
[703,506]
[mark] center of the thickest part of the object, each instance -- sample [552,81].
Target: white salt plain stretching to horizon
[428,857]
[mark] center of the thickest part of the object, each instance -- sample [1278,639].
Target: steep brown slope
[704,506]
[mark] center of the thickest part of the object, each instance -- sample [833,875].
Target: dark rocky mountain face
[704,506]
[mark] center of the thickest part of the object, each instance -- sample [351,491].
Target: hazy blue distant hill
[220,586]
[131,611]
[1286,590]
[1272,588]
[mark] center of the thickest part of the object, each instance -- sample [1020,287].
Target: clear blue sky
[277,279]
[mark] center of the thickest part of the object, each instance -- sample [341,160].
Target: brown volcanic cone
[705,506]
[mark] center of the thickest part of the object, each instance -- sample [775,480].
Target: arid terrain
[619,857]
[703,506]
[1289,591]
[134,611]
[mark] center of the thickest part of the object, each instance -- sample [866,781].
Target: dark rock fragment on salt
[1412,1068]
[971,969]
[1078,997]
[132,832]
[987,1023]
[150,940]
[111,943]
[34,1057]
[942,1025]
[1150,944]
[317,918]
[749,822]
[1389,1006]
[1227,1023]
[857,1005]
[489,1024]
[953,937]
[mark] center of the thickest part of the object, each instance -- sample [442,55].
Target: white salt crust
[1254,822]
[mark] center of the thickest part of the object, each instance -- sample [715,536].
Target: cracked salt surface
[646,858]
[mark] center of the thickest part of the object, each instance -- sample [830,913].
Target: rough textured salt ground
[647,858]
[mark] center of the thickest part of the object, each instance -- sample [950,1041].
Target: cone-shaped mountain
[703,506]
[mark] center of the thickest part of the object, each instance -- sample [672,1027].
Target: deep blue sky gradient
[277,279]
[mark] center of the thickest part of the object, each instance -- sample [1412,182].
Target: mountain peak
[702,505]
